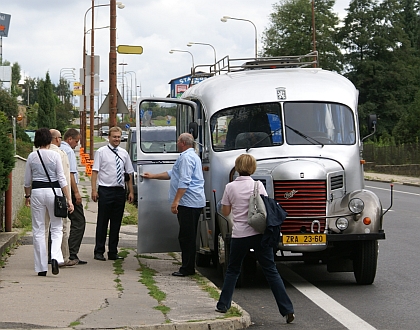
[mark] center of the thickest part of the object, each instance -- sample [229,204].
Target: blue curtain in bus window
[275,123]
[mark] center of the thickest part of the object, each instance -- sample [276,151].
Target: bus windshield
[247,126]
[318,123]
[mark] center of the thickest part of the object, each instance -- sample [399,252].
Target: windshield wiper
[307,138]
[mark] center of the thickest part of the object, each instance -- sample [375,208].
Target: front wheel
[365,262]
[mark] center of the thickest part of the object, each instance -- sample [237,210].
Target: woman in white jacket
[40,197]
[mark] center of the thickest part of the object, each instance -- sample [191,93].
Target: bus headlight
[356,205]
[342,223]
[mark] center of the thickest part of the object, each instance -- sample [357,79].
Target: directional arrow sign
[127,49]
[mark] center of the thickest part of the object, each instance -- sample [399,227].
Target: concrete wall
[18,174]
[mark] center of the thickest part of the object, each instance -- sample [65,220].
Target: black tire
[202,260]
[365,262]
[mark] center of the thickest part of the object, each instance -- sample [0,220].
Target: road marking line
[350,320]
[398,191]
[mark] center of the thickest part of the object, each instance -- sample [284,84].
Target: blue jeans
[238,249]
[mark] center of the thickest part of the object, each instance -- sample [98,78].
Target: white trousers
[42,201]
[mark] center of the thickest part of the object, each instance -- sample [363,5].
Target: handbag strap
[116,154]
[46,172]
[256,190]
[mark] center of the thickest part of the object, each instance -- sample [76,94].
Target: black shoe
[42,274]
[220,310]
[179,274]
[114,257]
[80,262]
[54,266]
[99,256]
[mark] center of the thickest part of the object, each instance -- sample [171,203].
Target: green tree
[290,31]
[15,89]
[380,61]
[7,159]
[8,104]
[47,102]
[30,94]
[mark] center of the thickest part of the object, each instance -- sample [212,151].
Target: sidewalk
[93,296]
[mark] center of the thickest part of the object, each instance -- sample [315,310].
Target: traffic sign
[127,49]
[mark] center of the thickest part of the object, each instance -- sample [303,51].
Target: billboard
[4,24]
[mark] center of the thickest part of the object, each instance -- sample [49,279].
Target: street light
[135,90]
[225,18]
[184,51]
[64,72]
[202,43]
[120,5]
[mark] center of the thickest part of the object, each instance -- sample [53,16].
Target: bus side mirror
[193,129]
[372,120]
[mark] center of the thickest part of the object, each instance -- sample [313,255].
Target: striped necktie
[119,171]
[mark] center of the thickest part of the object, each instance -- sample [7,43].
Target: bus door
[157,127]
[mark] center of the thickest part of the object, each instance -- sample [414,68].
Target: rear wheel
[365,262]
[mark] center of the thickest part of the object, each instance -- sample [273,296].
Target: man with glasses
[77,218]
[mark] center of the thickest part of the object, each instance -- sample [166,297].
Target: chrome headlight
[342,223]
[356,205]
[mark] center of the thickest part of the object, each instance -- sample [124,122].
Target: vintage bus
[301,124]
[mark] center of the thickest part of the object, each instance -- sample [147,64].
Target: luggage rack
[227,64]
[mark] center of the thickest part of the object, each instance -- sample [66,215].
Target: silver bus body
[309,159]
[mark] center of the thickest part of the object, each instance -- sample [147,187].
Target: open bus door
[158,125]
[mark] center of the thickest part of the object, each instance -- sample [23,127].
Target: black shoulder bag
[126,175]
[60,203]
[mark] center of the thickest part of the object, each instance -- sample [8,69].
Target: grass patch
[147,278]
[164,309]
[3,257]
[132,217]
[146,257]
[73,324]
[118,269]
[23,219]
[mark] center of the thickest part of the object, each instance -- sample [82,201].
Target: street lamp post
[113,63]
[135,91]
[120,5]
[202,43]
[225,18]
[184,51]
[64,72]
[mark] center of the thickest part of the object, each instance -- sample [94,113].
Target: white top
[34,170]
[106,166]
[237,194]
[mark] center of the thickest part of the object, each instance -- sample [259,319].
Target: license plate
[304,239]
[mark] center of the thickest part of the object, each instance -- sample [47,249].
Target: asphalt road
[334,300]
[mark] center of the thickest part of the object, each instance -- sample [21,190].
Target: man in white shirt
[108,189]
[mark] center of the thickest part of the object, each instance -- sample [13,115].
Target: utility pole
[92,84]
[113,65]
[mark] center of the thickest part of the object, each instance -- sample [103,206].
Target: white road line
[395,191]
[350,320]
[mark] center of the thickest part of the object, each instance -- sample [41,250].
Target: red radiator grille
[306,198]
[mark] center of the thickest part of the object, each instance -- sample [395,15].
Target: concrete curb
[7,240]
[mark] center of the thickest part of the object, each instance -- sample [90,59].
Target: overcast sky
[47,35]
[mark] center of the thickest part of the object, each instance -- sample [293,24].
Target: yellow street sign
[127,49]
[77,88]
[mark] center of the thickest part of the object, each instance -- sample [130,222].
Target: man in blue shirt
[186,193]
